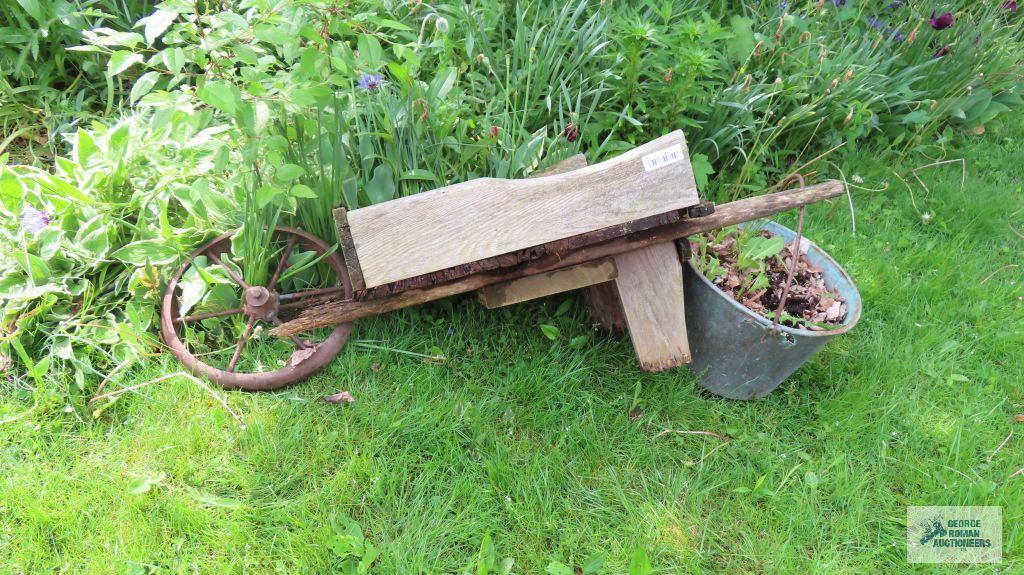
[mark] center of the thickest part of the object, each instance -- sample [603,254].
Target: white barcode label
[662,158]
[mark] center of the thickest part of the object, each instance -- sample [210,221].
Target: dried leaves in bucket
[751,266]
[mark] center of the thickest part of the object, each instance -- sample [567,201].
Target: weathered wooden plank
[744,210]
[348,249]
[532,287]
[351,258]
[487,217]
[505,261]
[650,287]
[547,283]
[567,165]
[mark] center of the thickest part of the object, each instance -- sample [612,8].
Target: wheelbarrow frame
[562,255]
[631,273]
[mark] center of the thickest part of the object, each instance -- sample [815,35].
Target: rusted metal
[736,352]
[260,303]
[701,210]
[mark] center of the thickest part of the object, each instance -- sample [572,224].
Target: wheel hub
[260,303]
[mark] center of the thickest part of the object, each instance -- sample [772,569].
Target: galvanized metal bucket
[735,352]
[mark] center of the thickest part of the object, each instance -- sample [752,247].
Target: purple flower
[370,82]
[33,221]
[942,22]
[1010,5]
[839,3]
[887,30]
[894,4]
[571,132]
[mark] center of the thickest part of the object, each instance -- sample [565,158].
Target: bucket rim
[852,315]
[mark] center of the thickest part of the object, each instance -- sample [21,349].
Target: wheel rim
[259,305]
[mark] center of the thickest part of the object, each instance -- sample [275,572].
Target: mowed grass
[532,443]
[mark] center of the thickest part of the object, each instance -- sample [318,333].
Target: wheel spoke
[310,293]
[284,261]
[234,276]
[207,315]
[241,344]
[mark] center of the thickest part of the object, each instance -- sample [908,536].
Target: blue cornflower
[370,82]
[887,30]
[33,221]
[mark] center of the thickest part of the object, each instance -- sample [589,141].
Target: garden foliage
[285,109]
[44,87]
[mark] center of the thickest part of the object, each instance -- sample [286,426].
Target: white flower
[441,24]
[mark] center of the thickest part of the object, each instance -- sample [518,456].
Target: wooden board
[487,217]
[650,287]
[547,283]
[557,248]
[527,288]
[602,298]
[567,165]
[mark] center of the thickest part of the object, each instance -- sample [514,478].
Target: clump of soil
[809,303]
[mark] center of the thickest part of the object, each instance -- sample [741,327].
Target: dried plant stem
[963,170]
[21,415]
[909,189]
[689,432]
[1001,445]
[112,373]
[117,392]
[792,270]
[187,376]
[1006,267]
[811,161]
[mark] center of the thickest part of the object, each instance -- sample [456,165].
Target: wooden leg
[650,286]
[605,307]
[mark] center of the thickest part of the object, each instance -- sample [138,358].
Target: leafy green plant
[87,244]
[487,561]
[639,563]
[356,555]
[589,566]
[752,250]
[43,85]
[361,103]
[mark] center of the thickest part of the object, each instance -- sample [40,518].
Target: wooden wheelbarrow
[611,229]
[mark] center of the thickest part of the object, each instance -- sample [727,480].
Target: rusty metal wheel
[213,321]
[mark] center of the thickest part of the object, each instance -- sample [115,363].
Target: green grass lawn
[530,445]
